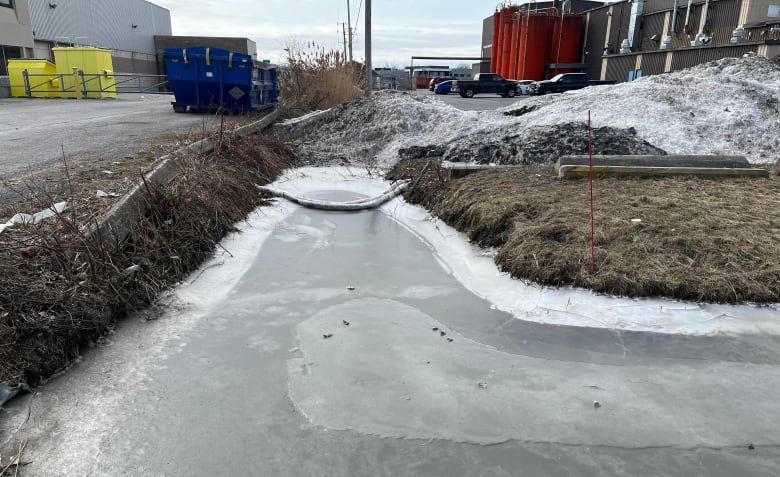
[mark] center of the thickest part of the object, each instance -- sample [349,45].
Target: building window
[7,3]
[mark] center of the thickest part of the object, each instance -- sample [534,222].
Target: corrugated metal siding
[653,6]
[693,25]
[653,63]
[107,23]
[594,42]
[695,56]
[621,16]
[619,66]
[722,19]
[652,25]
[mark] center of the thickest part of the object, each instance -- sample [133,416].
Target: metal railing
[89,85]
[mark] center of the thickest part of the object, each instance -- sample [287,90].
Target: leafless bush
[61,288]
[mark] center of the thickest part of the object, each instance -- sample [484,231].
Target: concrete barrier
[699,165]
[114,226]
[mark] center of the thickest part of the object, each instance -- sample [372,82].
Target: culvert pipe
[395,189]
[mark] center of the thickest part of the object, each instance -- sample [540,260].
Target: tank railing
[95,83]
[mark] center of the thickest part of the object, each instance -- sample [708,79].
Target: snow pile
[730,106]
[365,129]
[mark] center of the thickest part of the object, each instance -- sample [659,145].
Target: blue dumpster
[205,78]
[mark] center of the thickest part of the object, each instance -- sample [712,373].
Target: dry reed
[315,79]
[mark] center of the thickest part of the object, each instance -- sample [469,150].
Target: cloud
[399,31]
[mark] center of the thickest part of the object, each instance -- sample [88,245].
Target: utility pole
[369,70]
[344,31]
[349,23]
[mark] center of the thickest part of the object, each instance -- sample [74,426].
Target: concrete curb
[115,225]
[646,166]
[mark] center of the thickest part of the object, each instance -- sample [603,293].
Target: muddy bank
[688,238]
[62,289]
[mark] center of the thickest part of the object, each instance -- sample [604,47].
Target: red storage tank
[566,42]
[513,43]
[494,44]
[506,40]
[499,46]
[536,29]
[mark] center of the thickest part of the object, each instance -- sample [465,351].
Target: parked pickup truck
[487,83]
[563,82]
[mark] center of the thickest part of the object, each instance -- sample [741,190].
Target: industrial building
[31,28]
[574,6]
[135,31]
[16,38]
[623,40]
[126,27]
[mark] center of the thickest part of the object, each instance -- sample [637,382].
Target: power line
[357,20]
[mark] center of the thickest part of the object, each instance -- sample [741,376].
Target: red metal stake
[592,215]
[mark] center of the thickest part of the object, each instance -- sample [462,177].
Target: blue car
[445,87]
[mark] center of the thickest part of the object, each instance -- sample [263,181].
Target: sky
[400,28]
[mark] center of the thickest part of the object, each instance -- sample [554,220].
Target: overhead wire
[357,19]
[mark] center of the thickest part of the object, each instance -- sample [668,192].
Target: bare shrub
[317,79]
[61,289]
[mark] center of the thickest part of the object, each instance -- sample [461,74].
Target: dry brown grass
[715,240]
[316,79]
[59,289]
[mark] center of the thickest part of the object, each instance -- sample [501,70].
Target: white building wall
[128,25]
[15,25]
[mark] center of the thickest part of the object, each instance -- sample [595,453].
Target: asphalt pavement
[480,102]
[36,133]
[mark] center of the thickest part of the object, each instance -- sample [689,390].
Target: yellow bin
[97,65]
[44,82]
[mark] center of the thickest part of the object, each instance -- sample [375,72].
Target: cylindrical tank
[506,30]
[536,29]
[499,42]
[515,37]
[494,44]
[522,21]
[566,42]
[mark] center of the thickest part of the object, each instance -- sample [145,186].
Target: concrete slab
[654,166]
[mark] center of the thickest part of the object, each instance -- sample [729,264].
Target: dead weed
[713,240]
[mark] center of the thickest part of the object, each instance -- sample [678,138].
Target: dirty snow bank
[730,106]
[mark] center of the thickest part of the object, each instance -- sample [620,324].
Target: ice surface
[565,306]
[389,373]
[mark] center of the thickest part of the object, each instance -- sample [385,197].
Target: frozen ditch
[566,306]
[310,349]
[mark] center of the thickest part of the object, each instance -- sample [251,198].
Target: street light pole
[369,69]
